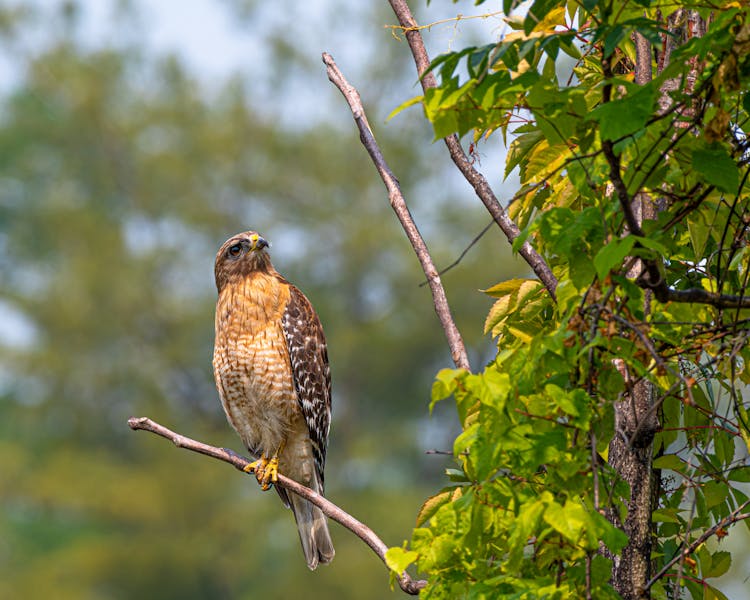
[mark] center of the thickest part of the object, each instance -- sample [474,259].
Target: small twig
[396,198]
[475,178]
[455,20]
[444,270]
[735,516]
[594,468]
[332,511]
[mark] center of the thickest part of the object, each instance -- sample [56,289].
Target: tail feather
[313,531]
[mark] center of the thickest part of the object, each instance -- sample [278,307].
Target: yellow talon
[253,467]
[270,474]
[266,471]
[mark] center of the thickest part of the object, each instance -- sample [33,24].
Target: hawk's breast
[251,361]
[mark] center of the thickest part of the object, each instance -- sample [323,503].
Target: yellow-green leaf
[405,105]
[510,294]
[398,559]
[433,503]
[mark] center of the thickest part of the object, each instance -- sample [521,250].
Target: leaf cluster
[532,507]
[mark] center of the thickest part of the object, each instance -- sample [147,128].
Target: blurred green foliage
[121,172]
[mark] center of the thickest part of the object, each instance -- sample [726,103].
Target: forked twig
[481,186]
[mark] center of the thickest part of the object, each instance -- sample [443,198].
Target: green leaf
[456,475]
[398,559]
[568,520]
[652,244]
[574,403]
[665,515]
[669,461]
[520,148]
[711,593]
[717,167]
[612,255]
[489,387]
[537,12]
[613,537]
[725,449]
[741,474]
[699,232]
[445,383]
[720,563]
[510,294]
[524,526]
[613,38]
[404,105]
[626,115]
[715,493]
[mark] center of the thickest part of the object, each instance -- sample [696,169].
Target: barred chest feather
[251,361]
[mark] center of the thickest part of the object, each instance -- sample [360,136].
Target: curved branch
[332,511]
[396,198]
[475,178]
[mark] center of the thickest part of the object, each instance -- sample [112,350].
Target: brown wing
[312,375]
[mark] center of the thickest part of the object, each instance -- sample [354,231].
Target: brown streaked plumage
[271,370]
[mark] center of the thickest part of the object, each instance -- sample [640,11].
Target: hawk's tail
[313,531]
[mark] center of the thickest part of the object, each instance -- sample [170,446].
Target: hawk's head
[240,255]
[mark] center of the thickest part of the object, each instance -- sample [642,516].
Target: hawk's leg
[266,469]
[259,468]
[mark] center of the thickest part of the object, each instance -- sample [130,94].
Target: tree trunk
[636,418]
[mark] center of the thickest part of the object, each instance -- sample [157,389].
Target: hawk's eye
[235,250]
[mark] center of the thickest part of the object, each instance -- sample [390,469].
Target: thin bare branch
[735,516]
[465,251]
[396,198]
[700,296]
[362,531]
[456,20]
[475,178]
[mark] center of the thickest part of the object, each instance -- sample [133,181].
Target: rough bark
[636,421]
[631,456]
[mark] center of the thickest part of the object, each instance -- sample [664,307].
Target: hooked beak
[259,243]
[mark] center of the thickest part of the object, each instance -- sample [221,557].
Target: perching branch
[475,178]
[332,511]
[396,198]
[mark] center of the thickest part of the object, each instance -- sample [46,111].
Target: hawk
[271,369]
